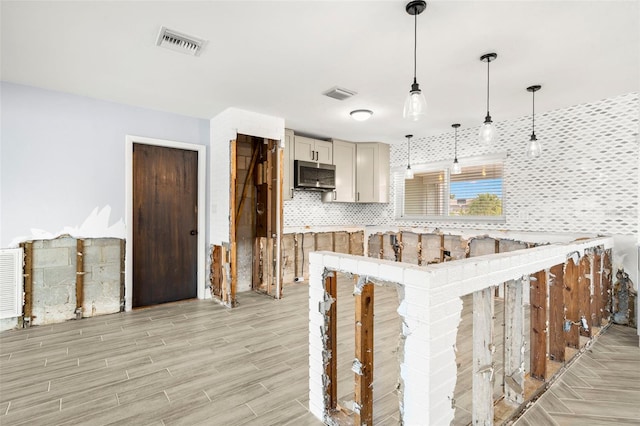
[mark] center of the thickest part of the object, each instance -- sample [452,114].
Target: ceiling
[277,58]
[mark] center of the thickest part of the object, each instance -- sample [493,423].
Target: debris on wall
[295,249]
[624,300]
[427,248]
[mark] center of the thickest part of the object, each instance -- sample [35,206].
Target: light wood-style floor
[196,362]
[602,387]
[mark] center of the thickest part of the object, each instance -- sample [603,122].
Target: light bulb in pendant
[456,169]
[408,174]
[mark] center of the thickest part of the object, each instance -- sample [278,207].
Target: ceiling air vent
[339,93]
[180,42]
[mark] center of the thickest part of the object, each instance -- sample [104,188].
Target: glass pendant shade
[415,105]
[488,133]
[534,149]
[408,174]
[455,168]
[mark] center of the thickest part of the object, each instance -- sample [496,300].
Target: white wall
[63,160]
[224,128]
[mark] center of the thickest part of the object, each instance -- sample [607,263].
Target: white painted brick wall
[431,312]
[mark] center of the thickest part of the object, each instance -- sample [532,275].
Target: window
[475,194]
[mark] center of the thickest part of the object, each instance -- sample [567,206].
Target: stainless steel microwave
[314,176]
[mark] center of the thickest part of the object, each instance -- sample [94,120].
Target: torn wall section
[54,275]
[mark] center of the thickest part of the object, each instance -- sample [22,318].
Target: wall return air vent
[180,42]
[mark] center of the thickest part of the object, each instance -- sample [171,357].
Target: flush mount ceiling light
[488,131]
[415,106]
[409,173]
[533,149]
[455,168]
[361,114]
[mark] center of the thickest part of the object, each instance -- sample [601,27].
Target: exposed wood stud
[514,340]
[296,258]
[571,295]
[557,338]
[79,277]
[215,276]
[233,165]
[364,355]
[607,284]
[269,273]
[280,230]
[248,179]
[483,346]
[28,281]
[585,280]
[331,321]
[537,325]
[496,249]
[234,276]
[122,274]
[596,300]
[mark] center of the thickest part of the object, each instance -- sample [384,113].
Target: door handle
[193,232]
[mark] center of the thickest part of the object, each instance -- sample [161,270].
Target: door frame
[202,173]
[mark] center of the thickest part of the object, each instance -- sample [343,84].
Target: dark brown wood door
[165,210]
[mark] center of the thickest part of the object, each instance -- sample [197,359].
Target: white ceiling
[277,58]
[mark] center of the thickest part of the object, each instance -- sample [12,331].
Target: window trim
[445,166]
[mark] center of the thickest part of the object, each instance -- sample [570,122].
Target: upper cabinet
[361,174]
[372,173]
[319,151]
[344,158]
[287,171]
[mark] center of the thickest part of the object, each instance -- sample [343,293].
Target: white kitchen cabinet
[308,149]
[372,172]
[344,158]
[287,178]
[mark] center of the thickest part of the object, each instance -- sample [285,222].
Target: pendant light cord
[415,45]
[456,145]
[533,116]
[488,61]
[408,152]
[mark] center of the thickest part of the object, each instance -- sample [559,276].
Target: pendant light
[415,106]
[488,131]
[455,168]
[408,174]
[533,149]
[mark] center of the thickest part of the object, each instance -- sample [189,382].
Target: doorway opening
[255,212]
